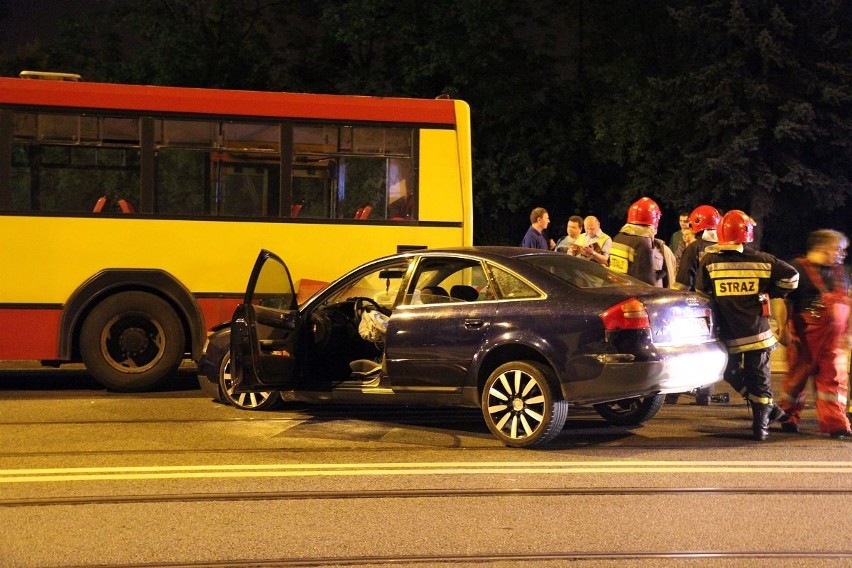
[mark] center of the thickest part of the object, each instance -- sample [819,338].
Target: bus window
[247,189]
[64,164]
[187,133]
[59,128]
[312,188]
[118,130]
[183,179]
[361,182]
[70,179]
[240,178]
[400,189]
[362,175]
[249,137]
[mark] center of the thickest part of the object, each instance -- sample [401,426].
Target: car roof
[492,252]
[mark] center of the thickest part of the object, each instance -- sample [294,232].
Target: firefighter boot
[777,414]
[760,421]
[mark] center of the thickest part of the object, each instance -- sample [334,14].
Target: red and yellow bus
[130,215]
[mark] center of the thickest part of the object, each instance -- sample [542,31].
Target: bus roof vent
[50,76]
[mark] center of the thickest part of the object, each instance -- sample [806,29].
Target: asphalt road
[92,478]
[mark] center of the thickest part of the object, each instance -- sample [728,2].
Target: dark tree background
[578,105]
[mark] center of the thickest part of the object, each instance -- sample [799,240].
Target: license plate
[686,327]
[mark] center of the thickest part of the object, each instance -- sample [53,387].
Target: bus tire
[132,341]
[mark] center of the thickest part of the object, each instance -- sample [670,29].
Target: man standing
[575,227]
[742,281]
[594,244]
[817,335]
[632,247]
[539,220]
[665,264]
[678,236]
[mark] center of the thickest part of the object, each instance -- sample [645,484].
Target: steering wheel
[360,306]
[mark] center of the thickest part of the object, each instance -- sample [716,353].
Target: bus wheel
[132,341]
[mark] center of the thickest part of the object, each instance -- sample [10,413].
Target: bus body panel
[439,168]
[49,254]
[465,160]
[205,256]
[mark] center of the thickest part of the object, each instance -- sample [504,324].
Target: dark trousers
[749,374]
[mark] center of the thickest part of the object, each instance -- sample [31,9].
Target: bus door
[265,329]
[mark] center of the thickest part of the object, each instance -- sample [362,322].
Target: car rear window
[579,272]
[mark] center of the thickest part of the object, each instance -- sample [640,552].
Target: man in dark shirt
[539,220]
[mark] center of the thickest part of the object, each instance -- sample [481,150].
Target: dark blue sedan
[521,334]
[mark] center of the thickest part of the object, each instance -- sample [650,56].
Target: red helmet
[736,228]
[644,212]
[704,217]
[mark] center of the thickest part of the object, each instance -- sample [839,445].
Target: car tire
[630,411]
[210,388]
[243,401]
[521,404]
[132,341]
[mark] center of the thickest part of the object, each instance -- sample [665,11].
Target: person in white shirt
[594,244]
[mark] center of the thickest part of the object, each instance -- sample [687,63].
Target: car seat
[99,204]
[433,295]
[464,293]
[125,206]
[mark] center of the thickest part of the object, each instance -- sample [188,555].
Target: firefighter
[632,247]
[816,335]
[746,285]
[703,222]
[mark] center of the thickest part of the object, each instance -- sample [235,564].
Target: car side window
[449,280]
[272,287]
[510,286]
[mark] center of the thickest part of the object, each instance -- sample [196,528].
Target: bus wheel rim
[132,342]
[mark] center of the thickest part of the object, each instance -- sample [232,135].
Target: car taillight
[629,314]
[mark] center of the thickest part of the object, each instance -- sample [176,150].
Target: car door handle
[473,323]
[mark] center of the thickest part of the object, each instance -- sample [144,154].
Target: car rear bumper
[676,369]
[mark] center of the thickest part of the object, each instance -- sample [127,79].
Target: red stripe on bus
[29,333]
[224,102]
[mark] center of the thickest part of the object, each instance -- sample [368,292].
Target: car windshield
[578,272]
[381,285]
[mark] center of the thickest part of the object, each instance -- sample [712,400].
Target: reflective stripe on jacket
[631,253]
[741,280]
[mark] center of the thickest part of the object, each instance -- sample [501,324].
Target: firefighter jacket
[689,259]
[631,252]
[742,281]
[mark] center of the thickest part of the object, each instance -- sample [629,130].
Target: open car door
[265,329]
